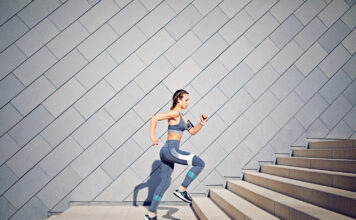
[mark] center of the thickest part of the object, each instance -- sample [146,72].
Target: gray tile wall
[80,79]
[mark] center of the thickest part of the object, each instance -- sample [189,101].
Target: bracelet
[201,123]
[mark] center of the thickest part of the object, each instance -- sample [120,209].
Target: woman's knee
[197,161]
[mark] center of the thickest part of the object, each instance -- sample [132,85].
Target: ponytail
[178,95]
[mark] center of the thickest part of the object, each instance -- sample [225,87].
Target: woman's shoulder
[166,115]
[171,113]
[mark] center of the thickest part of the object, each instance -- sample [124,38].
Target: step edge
[327,149]
[216,209]
[331,172]
[317,158]
[246,203]
[310,186]
[288,201]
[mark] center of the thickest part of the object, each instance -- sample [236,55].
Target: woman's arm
[197,127]
[159,117]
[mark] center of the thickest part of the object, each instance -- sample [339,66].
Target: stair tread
[317,158]
[247,208]
[299,205]
[209,208]
[313,186]
[327,149]
[341,143]
[312,170]
[340,165]
[349,153]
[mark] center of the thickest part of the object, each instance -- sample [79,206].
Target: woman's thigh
[178,156]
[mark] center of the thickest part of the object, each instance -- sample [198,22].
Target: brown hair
[178,95]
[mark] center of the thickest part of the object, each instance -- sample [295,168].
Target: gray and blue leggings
[169,155]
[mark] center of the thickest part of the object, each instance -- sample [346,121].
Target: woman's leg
[187,158]
[198,165]
[166,172]
[178,156]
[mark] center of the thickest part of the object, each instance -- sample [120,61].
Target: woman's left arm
[199,126]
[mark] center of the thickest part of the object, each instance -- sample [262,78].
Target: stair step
[326,153]
[341,165]
[205,209]
[281,205]
[328,144]
[340,180]
[237,207]
[328,197]
[297,147]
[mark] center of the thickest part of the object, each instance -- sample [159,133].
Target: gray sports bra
[181,126]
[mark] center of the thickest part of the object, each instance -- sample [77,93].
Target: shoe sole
[182,198]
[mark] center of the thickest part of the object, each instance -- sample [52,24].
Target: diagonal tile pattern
[80,75]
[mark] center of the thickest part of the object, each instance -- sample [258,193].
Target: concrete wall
[81,79]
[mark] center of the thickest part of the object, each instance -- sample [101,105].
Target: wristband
[201,123]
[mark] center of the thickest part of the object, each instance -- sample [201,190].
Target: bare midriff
[174,136]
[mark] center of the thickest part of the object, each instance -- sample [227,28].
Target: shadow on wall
[152,183]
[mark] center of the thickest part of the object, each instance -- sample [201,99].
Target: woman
[170,152]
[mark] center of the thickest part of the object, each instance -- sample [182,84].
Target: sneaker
[183,195]
[147,217]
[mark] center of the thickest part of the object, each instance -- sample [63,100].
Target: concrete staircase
[315,182]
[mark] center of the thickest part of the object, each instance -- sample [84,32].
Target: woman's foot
[183,195]
[147,217]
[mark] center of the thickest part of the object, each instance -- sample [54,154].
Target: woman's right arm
[159,117]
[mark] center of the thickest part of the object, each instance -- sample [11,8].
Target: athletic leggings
[169,155]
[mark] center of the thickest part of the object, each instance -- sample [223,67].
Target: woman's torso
[180,126]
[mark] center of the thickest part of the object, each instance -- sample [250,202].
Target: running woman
[170,152]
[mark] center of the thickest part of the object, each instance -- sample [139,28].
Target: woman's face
[184,102]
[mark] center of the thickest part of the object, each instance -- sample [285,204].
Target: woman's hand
[203,118]
[154,141]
